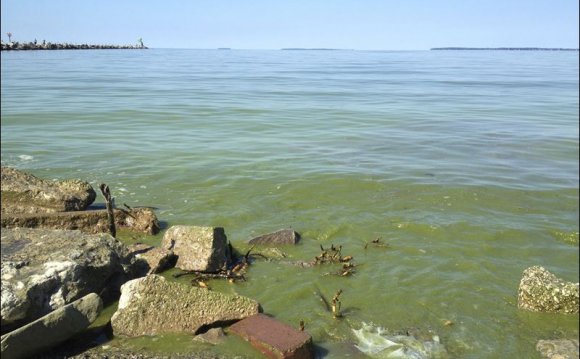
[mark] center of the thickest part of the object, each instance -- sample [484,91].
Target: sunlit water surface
[464,163]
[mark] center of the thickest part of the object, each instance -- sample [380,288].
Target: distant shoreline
[507,48]
[17,46]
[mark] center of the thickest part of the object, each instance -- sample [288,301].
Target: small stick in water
[336,305]
[109,203]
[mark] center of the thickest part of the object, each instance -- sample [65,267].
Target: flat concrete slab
[274,338]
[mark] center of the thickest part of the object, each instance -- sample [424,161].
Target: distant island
[224,48]
[17,46]
[507,48]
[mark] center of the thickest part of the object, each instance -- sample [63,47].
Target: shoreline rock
[280,237]
[45,269]
[25,193]
[52,329]
[141,220]
[198,248]
[542,291]
[152,305]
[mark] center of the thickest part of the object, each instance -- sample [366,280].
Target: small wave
[374,342]
[26,157]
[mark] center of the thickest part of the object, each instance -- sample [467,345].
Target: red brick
[273,338]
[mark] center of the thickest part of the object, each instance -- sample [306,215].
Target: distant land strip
[507,48]
[18,46]
[312,49]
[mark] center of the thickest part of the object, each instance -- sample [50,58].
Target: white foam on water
[26,157]
[374,342]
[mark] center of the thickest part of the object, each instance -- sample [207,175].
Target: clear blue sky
[274,24]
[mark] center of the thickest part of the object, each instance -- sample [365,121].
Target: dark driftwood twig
[109,203]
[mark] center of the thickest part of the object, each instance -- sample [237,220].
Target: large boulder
[95,221]
[201,249]
[52,329]
[43,270]
[152,305]
[542,291]
[25,193]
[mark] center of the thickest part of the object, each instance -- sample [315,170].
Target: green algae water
[464,163]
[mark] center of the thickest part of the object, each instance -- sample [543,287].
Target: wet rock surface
[51,329]
[153,305]
[45,269]
[542,291]
[198,248]
[25,193]
[141,220]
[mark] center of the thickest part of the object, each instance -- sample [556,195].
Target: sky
[275,24]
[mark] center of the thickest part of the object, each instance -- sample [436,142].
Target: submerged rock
[558,348]
[51,329]
[198,248]
[542,291]
[95,221]
[152,305]
[43,270]
[212,336]
[25,193]
[281,237]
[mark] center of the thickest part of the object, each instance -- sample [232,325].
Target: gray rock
[95,221]
[281,237]
[51,329]
[212,336]
[198,248]
[155,259]
[152,305]
[542,291]
[25,193]
[43,270]
[558,349]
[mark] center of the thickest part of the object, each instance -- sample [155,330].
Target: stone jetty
[15,45]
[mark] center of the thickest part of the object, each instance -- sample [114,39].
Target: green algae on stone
[542,291]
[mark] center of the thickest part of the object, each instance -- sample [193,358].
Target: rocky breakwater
[62,46]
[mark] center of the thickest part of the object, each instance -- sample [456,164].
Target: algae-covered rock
[51,329]
[198,248]
[542,291]
[152,305]
[43,270]
[25,193]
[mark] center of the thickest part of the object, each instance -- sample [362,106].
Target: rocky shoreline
[19,46]
[58,271]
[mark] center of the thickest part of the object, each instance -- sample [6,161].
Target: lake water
[464,163]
